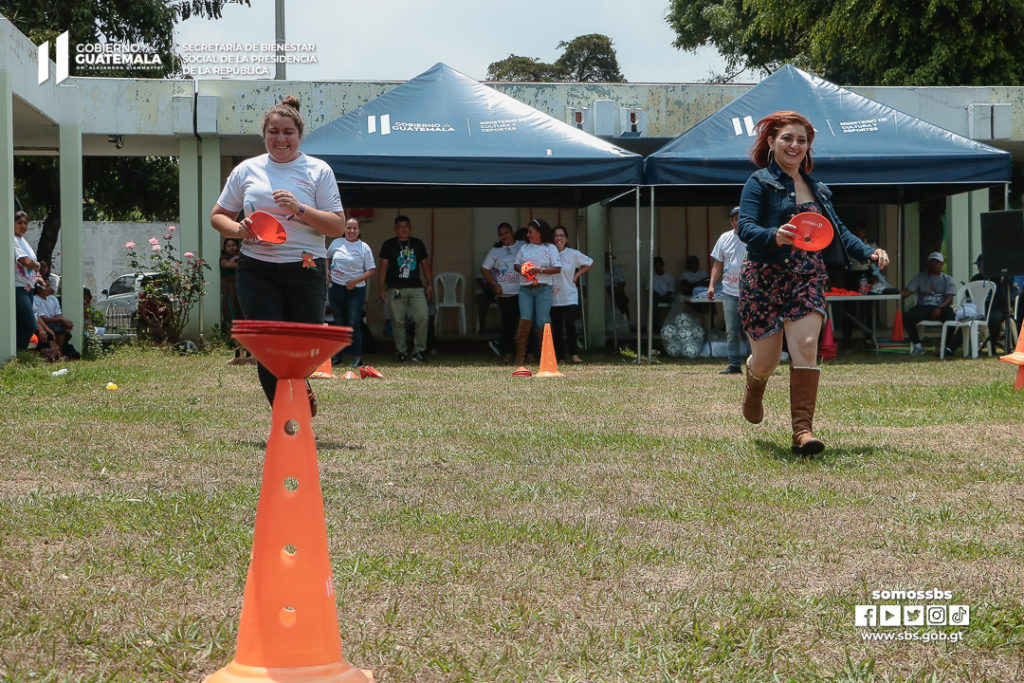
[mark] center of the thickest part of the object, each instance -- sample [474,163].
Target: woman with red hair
[782,288]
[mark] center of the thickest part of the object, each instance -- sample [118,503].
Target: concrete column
[7,338]
[978,205]
[71,227]
[210,239]
[596,241]
[958,236]
[188,217]
[910,264]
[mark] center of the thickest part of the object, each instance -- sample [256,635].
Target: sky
[399,39]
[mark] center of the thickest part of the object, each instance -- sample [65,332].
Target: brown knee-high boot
[803,396]
[522,338]
[753,409]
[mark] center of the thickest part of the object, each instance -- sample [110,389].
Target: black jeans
[563,330]
[509,307]
[283,292]
[918,314]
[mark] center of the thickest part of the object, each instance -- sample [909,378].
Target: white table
[874,299]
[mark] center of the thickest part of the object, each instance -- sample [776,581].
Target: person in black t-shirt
[405,279]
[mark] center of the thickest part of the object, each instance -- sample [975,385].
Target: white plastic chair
[980,294]
[449,290]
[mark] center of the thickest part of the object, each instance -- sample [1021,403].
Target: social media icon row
[911,615]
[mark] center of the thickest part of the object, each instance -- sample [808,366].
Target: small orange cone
[1017,358]
[521,371]
[325,371]
[828,349]
[897,326]
[367,372]
[350,375]
[548,362]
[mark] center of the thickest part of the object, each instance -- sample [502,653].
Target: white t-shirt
[730,250]
[349,260]
[251,186]
[564,291]
[664,283]
[23,276]
[501,261]
[48,307]
[541,255]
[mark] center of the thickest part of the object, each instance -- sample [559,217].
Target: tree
[522,70]
[861,42]
[589,59]
[118,188]
[585,59]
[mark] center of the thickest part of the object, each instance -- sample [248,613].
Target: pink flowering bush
[167,298]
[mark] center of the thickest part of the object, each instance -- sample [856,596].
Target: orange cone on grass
[548,362]
[289,625]
[325,371]
[350,375]
[1017,358]
[897,327]
[828,349]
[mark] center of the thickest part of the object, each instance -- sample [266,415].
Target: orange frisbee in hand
[532,277]
[267,228]
[813,231]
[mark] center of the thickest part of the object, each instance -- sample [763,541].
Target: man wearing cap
[935,291]
[726,262]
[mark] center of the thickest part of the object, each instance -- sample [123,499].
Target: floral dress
[772,293]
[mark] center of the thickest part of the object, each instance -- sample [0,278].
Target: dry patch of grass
[620,523]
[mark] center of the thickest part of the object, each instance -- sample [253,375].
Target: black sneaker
[400,357]
[418,358]
[732,370]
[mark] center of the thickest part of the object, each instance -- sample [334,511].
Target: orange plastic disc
[814,231]
[267,228]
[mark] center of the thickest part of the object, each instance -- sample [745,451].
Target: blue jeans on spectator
[535,305]
[282,292]
[733,329]
[25,318]
[347,305]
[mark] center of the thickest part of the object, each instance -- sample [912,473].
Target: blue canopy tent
[875,153]
[443,139]
[866,151]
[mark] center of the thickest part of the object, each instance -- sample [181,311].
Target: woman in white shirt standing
[26,274]
[498,269]
[351,266]
[535,292]
[282,282]
[565,296]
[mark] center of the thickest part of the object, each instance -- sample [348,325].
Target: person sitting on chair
[935,291]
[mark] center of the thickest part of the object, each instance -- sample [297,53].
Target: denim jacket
[769,200]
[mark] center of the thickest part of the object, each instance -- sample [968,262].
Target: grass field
[621,523]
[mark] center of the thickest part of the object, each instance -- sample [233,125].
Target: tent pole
[650,287]
[639,327]
[610,260]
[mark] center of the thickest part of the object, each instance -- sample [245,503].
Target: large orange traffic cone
[897,326]
[1017,358]
[289,626]
[548,362]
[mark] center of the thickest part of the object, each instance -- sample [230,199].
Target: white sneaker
[916,349]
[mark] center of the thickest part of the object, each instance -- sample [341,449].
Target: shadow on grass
[831,454]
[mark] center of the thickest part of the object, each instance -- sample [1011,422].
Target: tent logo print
[385,124]
[739,125]
[62,59]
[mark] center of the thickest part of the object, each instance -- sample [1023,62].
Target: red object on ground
[267,228]
[814,232]
[828,349]
[369,372]
[897,326]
